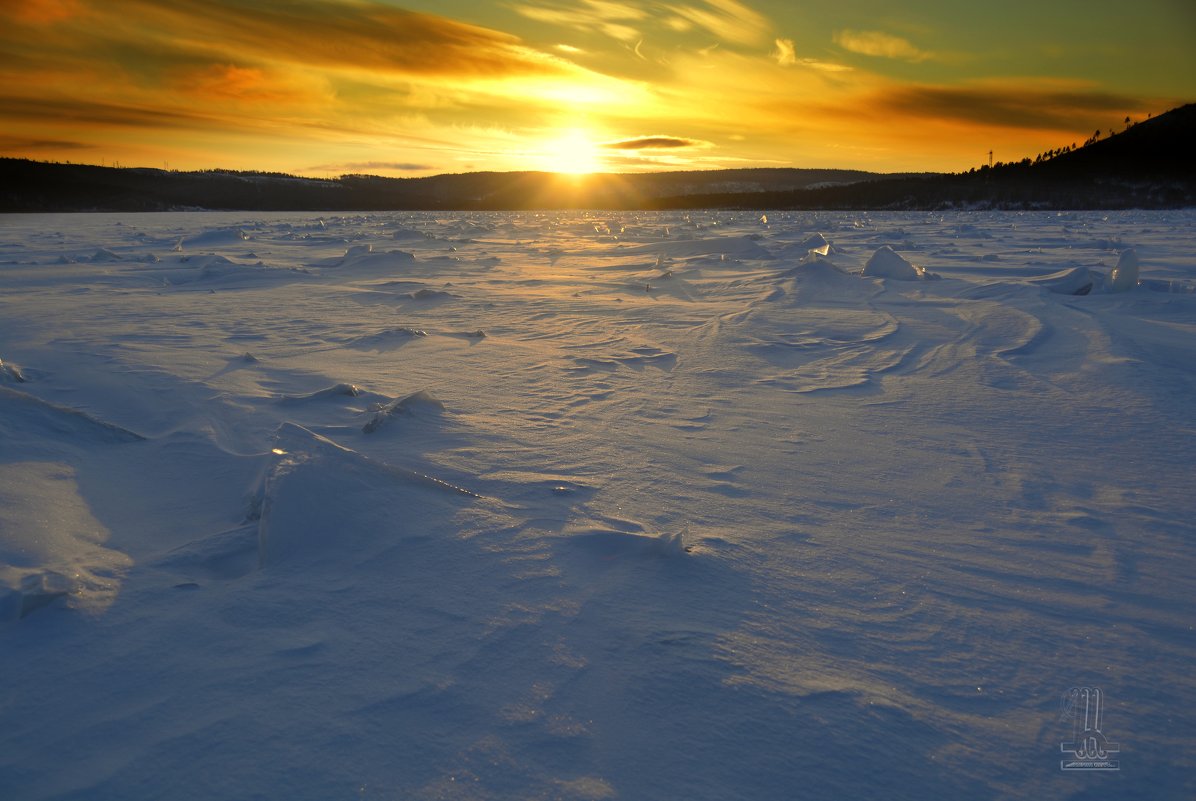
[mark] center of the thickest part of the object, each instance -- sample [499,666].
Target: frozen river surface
[597,506]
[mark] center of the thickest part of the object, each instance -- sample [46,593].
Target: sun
[572,152]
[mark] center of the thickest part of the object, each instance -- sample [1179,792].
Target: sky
[422,87]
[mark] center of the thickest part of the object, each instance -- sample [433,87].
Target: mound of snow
[416,403]
[209,267]
[738,247]
[324,501]
[430,294]
[1167,286]
[32,592]
[972,231]
[220,267]
[356,252]
[888,263]
[607,545]
[409,233]
[1072,281]
[387,338]
[334,391]
[817,276]
[51,544]
[104,254]
[216,236]
[26,414]
[364,256]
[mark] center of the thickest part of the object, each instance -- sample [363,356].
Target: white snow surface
[595,505]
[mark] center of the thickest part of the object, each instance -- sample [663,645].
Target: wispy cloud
[785,53]
[727,20]
[616,20]
[879,44]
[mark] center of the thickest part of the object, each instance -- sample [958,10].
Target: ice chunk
[10,372]
[1125,275]
[817,243]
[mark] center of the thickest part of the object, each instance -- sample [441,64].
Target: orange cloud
[335,33]
[225,82]
[40,12]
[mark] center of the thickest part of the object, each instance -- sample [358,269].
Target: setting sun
[572,151]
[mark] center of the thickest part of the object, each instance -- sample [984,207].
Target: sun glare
[572,152]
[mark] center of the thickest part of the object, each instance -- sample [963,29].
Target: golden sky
[419,87]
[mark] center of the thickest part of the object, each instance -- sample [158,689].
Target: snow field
[594,505]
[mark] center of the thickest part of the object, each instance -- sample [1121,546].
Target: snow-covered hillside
[597,506]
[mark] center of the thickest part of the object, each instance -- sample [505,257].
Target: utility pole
[990,159]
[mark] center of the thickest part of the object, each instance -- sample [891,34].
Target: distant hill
[39,186]
[1149,165]
[1160,149]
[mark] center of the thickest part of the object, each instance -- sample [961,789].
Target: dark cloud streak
[358,166]
[654,143]
[1009,107]
[100,114]
[18,143]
